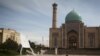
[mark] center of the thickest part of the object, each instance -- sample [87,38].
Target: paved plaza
[58,55]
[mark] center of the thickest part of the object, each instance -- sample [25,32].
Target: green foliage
[36,48]
[32,44]
[9,48]
[8,52]
[9,45]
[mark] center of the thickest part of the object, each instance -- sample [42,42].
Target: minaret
[54,15]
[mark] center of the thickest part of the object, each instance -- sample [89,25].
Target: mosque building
[73,33]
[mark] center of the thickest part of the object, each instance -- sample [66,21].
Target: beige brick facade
[9,33]
[74,34]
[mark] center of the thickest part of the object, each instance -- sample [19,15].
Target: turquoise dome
[73,16]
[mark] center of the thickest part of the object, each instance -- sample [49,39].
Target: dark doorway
[72,40]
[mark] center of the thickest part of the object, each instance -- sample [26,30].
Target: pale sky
[33,18]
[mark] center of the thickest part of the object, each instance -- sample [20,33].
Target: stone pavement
[41,55]
[58,55]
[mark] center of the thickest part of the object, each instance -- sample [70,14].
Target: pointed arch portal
[72,39]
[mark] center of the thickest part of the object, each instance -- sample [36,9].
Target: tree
[9,45]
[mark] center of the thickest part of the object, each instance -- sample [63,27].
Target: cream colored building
[73,33]
[9,33]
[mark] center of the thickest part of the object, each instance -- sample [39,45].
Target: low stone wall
[74,51]
[41,55]
[51,55]
[57,55]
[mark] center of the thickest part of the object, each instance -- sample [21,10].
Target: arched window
[91,40]
[55,41]
[64,41]
[55,37]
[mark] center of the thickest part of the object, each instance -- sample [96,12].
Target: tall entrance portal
[72,39]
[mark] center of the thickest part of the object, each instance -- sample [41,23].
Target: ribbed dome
[73,16]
